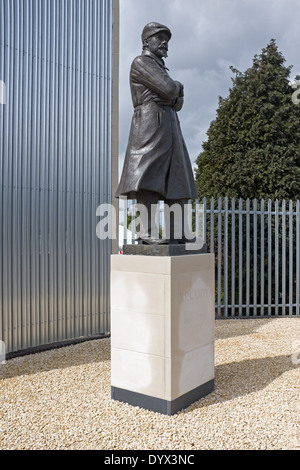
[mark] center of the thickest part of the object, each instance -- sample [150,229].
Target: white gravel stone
[60,399]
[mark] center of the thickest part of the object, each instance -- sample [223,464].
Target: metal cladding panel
[55,169]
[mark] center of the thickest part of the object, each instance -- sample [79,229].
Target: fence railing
[257,252]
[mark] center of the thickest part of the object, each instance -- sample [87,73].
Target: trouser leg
[147,206]
[175,220]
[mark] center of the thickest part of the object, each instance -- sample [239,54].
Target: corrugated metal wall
[55,169]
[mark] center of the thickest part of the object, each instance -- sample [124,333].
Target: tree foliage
[253,146]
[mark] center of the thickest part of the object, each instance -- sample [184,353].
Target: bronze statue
[157,165]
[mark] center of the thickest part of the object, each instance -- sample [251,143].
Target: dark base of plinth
[164,250]
[159,405]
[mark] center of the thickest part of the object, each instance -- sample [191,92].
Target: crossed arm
[148,72]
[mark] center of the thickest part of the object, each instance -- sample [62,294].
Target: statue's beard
[163,52]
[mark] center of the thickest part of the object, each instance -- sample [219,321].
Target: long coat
[156,158]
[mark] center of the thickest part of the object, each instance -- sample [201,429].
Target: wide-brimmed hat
[153,28]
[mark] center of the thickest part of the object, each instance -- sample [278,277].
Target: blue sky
[208,37]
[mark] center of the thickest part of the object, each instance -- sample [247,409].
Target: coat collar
[157,59]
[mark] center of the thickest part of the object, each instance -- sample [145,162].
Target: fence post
[276,257]
[133,221]
[204,221]
[262,256]
[219,289]
[283,254]
[212,225]
[269,256]
[247,257]
[225,301]
[297,255]
[232,257]
[125,220]
[240,257]
[255,257]
[291,257]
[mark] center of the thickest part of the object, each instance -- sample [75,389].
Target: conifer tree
[253,146]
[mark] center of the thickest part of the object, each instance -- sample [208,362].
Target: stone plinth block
[162,330]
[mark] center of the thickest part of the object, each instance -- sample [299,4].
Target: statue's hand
[180,89]
[178,104]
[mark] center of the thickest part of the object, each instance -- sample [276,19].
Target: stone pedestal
[162,330]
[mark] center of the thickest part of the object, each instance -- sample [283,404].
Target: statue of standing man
[157,165]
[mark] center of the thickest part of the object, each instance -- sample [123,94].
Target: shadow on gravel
[240,326]
[59,358]
[242,378]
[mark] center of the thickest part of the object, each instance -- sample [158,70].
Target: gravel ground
[60,399]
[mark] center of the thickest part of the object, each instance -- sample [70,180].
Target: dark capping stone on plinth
[163,250]
[160,405]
